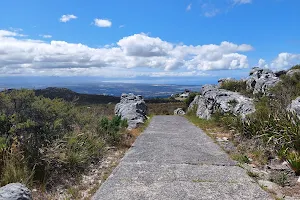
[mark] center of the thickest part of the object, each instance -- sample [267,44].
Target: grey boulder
[261,80]
[179,111]
[15,191]
[294,107]
[213,99]
[292,72]
[132,108]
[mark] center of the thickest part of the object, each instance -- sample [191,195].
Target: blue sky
[149,39]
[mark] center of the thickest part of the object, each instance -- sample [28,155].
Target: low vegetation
[296,67]
[42,139]
[164,108]
[236,86]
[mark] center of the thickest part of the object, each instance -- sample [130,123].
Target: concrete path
[174,159]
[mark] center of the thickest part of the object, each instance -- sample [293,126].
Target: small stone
[298,181]
[225,138]
[179,111]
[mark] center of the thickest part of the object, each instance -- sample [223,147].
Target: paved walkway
[173,160]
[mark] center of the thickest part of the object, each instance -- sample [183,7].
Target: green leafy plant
[294,160]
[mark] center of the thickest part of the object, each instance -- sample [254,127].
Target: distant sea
[112,88]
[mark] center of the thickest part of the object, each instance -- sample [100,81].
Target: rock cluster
[261,80]
[15,191]
[132,108]
[179,111]
[212,100]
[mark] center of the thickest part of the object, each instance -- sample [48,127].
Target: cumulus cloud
[27,56]
[142,45]
[262,63]
[285,60]
[66,18]
[102,23]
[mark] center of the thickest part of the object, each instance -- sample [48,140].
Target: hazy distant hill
[69,95]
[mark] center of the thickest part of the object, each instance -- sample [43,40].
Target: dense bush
[40,136]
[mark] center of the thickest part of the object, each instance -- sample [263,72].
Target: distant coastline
[112,88]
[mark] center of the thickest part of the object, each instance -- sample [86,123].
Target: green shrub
[111,129]
[74,151]
[294,160]
[296,67]
[286,90]
[281,178]
[13,165]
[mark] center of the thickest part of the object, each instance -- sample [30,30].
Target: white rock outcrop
[294,107]
[132,108]
[261,80]
[212,100]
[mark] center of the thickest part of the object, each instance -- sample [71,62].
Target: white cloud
[189,7]
[66,18]
[262,63]
[102,22]
[122,26]
[235,2]
[5,33]
[46,36]
[25,56]
[285,60]
[144,46]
